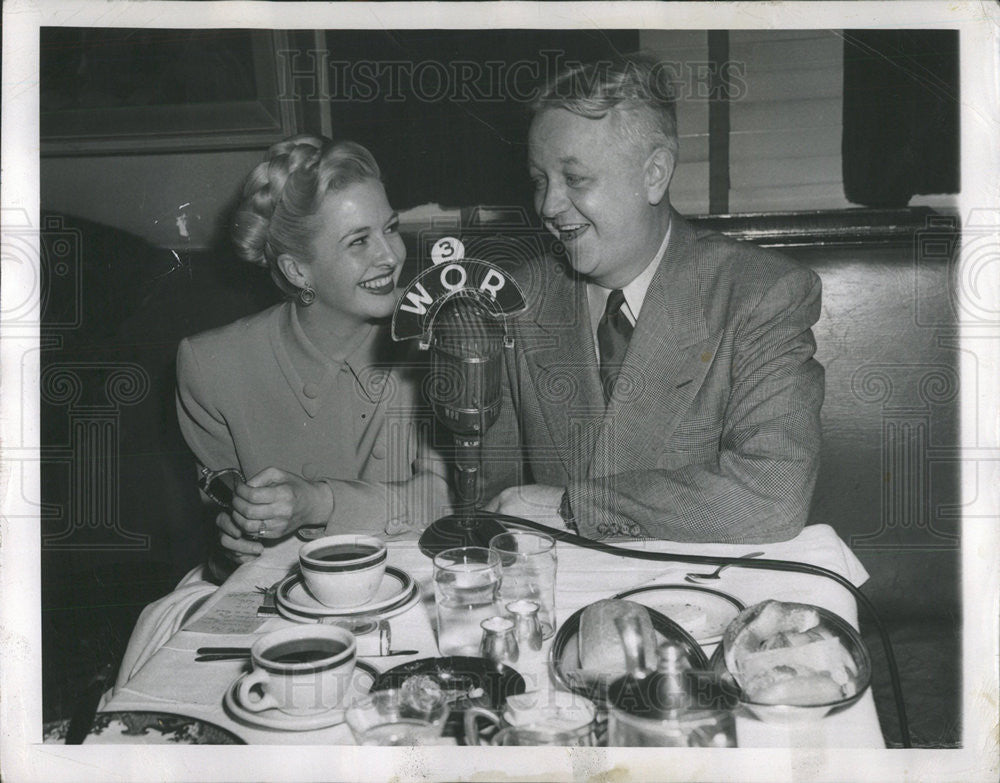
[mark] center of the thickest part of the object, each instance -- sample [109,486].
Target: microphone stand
[466,346]
[468,527]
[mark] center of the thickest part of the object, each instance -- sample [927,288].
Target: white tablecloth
[172,682]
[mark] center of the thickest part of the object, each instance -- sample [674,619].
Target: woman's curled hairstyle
[281,196]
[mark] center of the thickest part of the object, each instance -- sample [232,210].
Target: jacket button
[310,471]
[311,390]
[378,452]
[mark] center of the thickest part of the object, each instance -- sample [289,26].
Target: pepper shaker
[499,642]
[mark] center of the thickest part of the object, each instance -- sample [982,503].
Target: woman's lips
[380,286]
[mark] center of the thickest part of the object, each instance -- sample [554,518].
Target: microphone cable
[758,563]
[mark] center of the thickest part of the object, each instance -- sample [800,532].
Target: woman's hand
[234,545]
[276,503]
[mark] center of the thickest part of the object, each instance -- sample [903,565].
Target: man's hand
[276,503]
[537,502]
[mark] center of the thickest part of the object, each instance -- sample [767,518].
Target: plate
[361,682]
[404,604]
[564,657]
[293,594]
[474,682]
[702,612]
[156,728]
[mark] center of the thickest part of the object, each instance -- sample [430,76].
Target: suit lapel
[666,362]
[562,363]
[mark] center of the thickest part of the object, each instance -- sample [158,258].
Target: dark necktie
[613,333]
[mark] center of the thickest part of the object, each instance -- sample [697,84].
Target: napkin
[161,620]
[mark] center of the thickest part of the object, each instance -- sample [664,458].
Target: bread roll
[601,648]
[783,655]
[827,655]
[804,689]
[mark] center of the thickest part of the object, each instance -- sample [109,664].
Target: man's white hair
[635,89]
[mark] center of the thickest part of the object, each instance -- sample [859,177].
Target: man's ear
[658,171]
[293,270]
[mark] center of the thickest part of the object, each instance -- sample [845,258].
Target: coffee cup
[299,670]
[343,571]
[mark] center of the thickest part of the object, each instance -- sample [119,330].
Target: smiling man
[663,382]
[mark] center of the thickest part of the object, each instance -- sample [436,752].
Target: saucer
[293,594]
[361,682]
[467,681]
[702,612]
[405,603]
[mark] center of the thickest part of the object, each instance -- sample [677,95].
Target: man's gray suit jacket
[713,429]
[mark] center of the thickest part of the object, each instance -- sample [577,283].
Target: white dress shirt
[635,293]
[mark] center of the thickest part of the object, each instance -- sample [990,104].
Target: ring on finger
[261,530]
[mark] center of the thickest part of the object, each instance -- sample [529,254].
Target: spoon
[698,578]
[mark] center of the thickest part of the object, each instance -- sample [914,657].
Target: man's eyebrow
[570,160]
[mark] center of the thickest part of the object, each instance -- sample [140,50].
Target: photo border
[23,757]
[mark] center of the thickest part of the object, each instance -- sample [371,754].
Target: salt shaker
[527,626]
[499,642]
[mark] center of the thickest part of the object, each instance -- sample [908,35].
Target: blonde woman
[311,399]
[310,402]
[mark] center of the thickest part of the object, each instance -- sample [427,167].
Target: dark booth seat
[121,518]
[889,475]
[888,340]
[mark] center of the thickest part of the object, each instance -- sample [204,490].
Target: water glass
[529,572]
[466,592]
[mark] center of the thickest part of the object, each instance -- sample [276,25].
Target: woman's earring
[307,296]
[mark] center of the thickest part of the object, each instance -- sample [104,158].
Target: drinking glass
[543,735]
[398,716]
[529,572]
[466,587]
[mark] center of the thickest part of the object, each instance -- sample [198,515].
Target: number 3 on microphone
[447,249]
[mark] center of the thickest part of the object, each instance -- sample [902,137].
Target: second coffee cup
[299,670]
[343,571]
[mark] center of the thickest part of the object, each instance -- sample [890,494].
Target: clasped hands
[272,504]
[275,503]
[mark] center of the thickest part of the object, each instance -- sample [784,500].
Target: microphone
[464,385]
[457,309]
